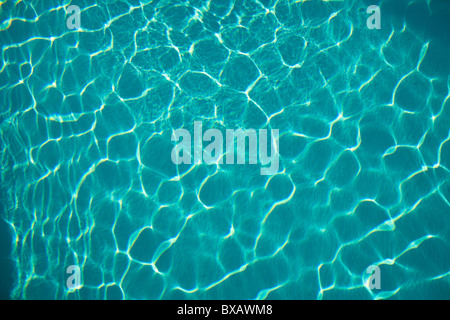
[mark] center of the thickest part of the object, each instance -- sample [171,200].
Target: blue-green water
[86,118]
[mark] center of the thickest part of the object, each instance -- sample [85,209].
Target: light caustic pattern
[364,116]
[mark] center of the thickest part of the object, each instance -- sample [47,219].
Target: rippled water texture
[86,118]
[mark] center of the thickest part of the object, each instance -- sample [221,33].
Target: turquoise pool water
[86,118]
